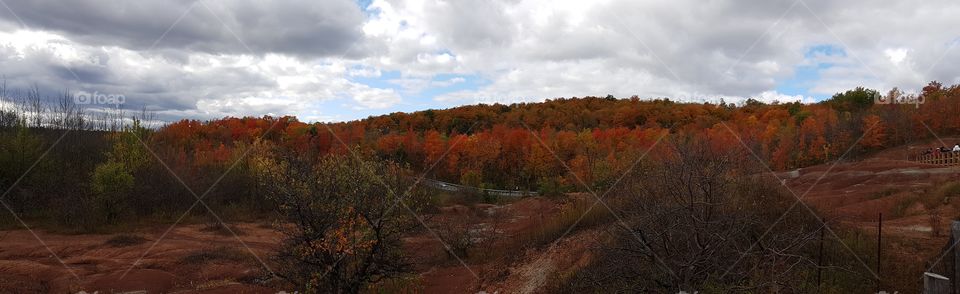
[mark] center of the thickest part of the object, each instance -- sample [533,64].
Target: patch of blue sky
[364,4]
[443,84]
[382,81]
[807,74]
[344,108]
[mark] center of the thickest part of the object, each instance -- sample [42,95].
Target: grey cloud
[159,88]
[472,23]
[296,27]
[525,49]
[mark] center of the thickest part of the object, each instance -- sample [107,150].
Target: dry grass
[884,193]
[207,255]
[903,205]
[554,228]
[222,230]
[124,240]
[948,190]
[400,285]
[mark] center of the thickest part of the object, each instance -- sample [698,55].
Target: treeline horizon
[529,146]
[526,146]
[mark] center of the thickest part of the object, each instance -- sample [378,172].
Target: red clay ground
[191,260]
[181,261]
[853,194]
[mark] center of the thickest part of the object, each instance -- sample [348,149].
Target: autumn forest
[338,193]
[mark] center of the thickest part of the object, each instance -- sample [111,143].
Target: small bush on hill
[347,218]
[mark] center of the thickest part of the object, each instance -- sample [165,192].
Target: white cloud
[376,98]
[896,55]
[774,96]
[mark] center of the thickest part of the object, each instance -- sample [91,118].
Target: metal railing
[451,187]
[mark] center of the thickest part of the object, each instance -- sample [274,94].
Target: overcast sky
[334,60]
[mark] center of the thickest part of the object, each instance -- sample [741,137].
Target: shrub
[460,237]
[549,186]
[346,220]
[472,179]
[204,256]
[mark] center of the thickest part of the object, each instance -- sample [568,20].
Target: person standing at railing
[956,148]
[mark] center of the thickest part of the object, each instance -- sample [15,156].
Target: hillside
[128,178]
[849,196]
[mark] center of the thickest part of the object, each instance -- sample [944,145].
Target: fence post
[879,247]
[935,284]
[820,261]
[954,233]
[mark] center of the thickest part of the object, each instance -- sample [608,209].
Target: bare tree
[37,109]
[696,222]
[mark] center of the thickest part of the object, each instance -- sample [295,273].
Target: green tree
[113,180]
[128,148]
[112,183]
[472,179]
[853,100]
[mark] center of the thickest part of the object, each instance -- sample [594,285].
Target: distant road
[451,187]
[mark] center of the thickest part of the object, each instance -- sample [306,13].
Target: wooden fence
[948,158]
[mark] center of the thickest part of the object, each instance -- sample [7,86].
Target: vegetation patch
[124,240]
[903,206]
[577,216]
[884,193]
[951,189]
[221,229]
[205,256]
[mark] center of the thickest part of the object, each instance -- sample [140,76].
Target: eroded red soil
[180,261]
[193,259]
[851,194]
